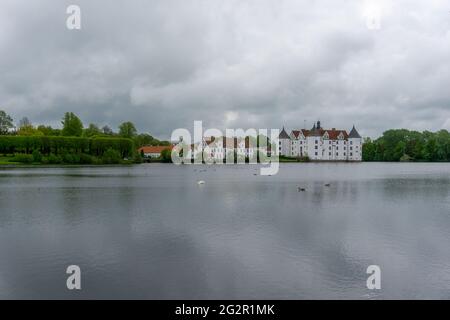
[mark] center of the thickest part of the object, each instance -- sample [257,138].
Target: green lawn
[6,160]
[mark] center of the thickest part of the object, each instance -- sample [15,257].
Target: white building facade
[219,149]
[321,144]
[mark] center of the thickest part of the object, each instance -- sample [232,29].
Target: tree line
[407,145]
[72,126]
[73,143]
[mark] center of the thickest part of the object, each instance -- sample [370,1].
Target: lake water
[150,231]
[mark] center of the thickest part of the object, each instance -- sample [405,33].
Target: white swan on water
[200,182]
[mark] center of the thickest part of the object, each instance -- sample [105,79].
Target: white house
[153,151]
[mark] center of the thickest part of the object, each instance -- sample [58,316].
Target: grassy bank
[8,161]
[289,159]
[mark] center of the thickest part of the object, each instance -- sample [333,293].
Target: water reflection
[151,231]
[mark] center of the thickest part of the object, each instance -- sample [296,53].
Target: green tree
[399,151]
[111,156]
[92,130]
[166,155]
[398,145]
[48,130]
[143,139]
[29,130]
[24,122]
[127,130]
[368,150]
[107,131]
[72,125]
[6,122]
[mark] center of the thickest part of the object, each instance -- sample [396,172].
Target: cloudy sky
[231,63]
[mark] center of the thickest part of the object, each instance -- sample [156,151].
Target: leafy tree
[29,130]
[48,130]
[92,130]
[127,130]
[24,122]
[107,130]
[368,150]
[143,139]
[111,156]
[72,125]
[163,143]
[6,122]
[166,155]
[402,145]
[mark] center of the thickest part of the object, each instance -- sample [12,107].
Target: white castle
[321,144]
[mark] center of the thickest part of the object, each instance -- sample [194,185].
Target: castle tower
[284,144]
[354,145]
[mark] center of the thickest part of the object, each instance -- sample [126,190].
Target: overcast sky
[231,63]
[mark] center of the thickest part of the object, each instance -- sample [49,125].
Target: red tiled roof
[303,131]
[154,149]
[333,134]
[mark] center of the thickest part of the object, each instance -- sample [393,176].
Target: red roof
[154,149]
[333,134]
[303,131]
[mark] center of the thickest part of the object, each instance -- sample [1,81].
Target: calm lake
[150,231]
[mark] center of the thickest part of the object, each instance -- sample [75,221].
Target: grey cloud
[164,64]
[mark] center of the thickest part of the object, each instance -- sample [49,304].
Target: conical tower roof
[354,133]
[283,134]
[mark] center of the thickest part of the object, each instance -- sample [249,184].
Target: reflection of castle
[321,144]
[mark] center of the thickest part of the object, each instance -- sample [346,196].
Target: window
[316,148]
[351,154]
[351,142]
[337,148]
[316,153]
[329,142]
[329,148]
[337,154]
[317,141]
[329,154]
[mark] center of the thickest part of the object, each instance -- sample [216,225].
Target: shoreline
[37,165]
